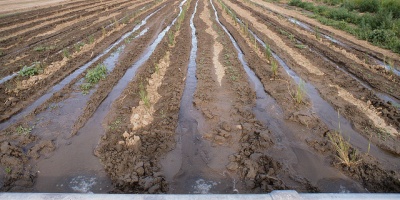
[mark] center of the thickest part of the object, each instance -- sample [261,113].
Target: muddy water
[333,120]
[71,77]
[57,122]
[297,155]
[187,167]
[74,165]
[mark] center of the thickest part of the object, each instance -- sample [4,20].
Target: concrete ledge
[275,195]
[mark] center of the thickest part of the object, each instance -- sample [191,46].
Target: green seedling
[274,68]
[65,53]
[23,131]
[144,96]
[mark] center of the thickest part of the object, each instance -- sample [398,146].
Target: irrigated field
[193,96]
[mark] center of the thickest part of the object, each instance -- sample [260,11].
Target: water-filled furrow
[71,77]
[382,96]
[269,112]
[62,168]
[7,78]
[331,118]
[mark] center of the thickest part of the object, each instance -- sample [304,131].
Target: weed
[65,53]
[1,53]
[391,66]
[116,124]
[39,48]
[85,87]
[317,33]
[274,68]
[144,96]
[30,71]
[233,74]
[300,46]
[91,39]
[163,114]
[78,46]
[93,76]
[267,52]
[8,170]
[24,131]
[291,37]
[346,154]
[300,90]
[171,38]
[116,24]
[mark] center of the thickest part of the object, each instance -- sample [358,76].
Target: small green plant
[65,53]
[85,87]
[30,71]
[43,48]
[8,170]
[1,53]
[291,37]
[233,73]
[171,38]
[39,48]
[78,46]
[345,153]
[116,24]
[116,124]
[267,52]
[391,66]
[93,76]
[317,33]
[24,131]
[144,96]
[274,68]
[91,39]
[300,46]
[300,90]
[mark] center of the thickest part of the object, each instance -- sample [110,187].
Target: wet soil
[191,104]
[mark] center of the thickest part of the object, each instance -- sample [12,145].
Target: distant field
[7,6]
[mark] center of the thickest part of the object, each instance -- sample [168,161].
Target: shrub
[380,36]
[392,6]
